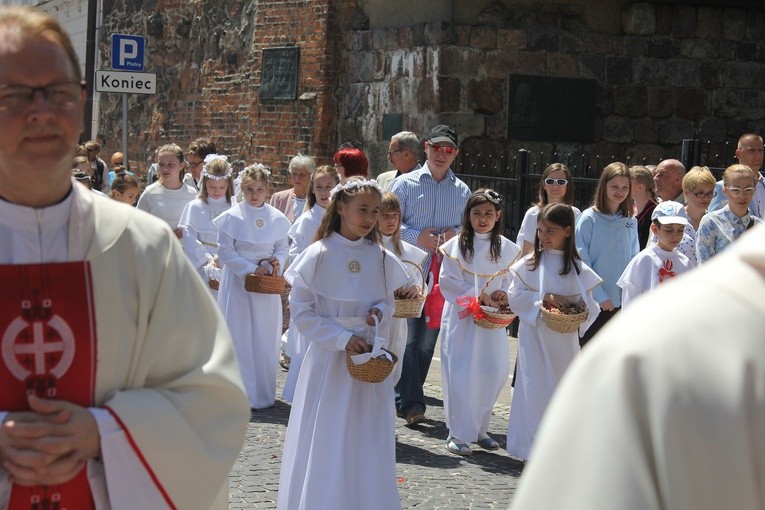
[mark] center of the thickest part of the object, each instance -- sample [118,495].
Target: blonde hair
[698,176]
[176,151]
[390,204]
[738,169]
[643,175]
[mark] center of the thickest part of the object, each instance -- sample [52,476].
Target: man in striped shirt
[432,202]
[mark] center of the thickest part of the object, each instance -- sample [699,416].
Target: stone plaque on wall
[551,109]
[279,73]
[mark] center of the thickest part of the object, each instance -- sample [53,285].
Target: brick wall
[207,56]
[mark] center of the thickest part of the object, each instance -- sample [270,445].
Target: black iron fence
[516,176]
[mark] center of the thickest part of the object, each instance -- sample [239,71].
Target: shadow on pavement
[279,413]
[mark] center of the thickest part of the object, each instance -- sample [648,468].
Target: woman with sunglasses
[555,187]
[720,228]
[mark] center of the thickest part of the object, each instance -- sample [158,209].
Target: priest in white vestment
[167,412]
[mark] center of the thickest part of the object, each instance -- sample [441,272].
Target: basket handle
[419,269]
[274,274]
[502,271]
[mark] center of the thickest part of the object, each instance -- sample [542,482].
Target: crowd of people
[225,270]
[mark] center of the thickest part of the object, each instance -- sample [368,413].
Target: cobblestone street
[429,477]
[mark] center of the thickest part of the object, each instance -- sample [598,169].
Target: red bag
[434,302]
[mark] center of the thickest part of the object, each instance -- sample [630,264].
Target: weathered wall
[664,72]
[672,72]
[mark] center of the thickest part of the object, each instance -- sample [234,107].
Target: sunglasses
[439,148]
[559,182]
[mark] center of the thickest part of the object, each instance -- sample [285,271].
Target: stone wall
[673,72]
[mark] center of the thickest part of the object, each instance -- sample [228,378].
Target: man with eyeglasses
[403,155]
[749,152]
[120,388]
[198,150]
[432,202]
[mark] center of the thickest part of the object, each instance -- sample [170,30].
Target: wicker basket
[410,308]
[213,284]
[265,284]
[492,318]
[563,323]
[373,371]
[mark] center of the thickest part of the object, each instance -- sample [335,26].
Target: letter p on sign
[127,52]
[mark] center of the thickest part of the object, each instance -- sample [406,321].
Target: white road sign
[126,82]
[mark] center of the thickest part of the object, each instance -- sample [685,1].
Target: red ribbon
[472,307]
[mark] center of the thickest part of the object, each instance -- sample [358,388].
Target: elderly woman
[291,202]
[350,161]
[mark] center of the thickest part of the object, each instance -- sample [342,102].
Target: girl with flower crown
[340,448]
[200,234]
[475,362]
[252,238]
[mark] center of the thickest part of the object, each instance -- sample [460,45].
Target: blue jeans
[420,344]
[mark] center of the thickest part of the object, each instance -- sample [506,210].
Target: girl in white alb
[554,275]
[475,362]
[167,197]
[252,238]
[413,259]
[302,232]
[339,452]
[200,234]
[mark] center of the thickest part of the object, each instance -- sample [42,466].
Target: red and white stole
[48,327]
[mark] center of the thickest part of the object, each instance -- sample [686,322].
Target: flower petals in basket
[412,307]
[265,284]
[213,274]
[566,319]
[486,317]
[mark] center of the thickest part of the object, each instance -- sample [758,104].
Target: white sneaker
[455,445]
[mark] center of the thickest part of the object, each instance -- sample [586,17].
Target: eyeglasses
[441,148]
[701,194]
[60,96]
[734,192]
[559,182]
[392,152]
[195,164]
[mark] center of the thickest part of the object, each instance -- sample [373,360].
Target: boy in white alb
[659,261]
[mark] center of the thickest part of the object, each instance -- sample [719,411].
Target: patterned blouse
[719,229]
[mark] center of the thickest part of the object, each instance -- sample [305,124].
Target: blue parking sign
[127,52]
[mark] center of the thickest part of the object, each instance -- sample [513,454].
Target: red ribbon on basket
[472,307]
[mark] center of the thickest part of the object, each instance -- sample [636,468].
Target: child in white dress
[475,362]
[412,257]
[339,452]
[302,232]
[252,238]
[553,274]
[200,234]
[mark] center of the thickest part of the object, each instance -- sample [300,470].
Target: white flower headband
[493,196]
[263,168]
[209,159]
[354,184]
